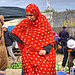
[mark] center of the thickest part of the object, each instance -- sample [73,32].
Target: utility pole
[48,5]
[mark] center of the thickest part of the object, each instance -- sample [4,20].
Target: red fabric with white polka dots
[35,35]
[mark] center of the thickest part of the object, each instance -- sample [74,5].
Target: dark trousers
[64,46]
[65,58]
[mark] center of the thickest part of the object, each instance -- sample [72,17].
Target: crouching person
[71,46]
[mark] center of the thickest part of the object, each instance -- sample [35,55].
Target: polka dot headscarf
[33,9]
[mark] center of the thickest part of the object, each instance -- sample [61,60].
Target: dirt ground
[59,58]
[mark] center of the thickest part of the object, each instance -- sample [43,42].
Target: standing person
[63,38]
[8,43]
[37,48]
[3,52]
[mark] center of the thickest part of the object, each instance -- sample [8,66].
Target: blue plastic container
[1,74]
[61,73]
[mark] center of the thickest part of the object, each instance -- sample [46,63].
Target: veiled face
[30,17]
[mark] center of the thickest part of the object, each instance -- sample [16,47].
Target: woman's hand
[42,52]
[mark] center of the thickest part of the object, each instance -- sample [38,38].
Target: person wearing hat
[71,46]
[8,43]
[71,49]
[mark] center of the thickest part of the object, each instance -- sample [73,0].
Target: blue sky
[59,5]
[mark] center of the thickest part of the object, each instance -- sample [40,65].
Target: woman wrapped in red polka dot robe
[37,47]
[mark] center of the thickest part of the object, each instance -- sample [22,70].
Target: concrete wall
[60,19]
[66,18]
[49,16]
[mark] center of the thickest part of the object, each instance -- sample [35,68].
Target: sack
[72,71]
